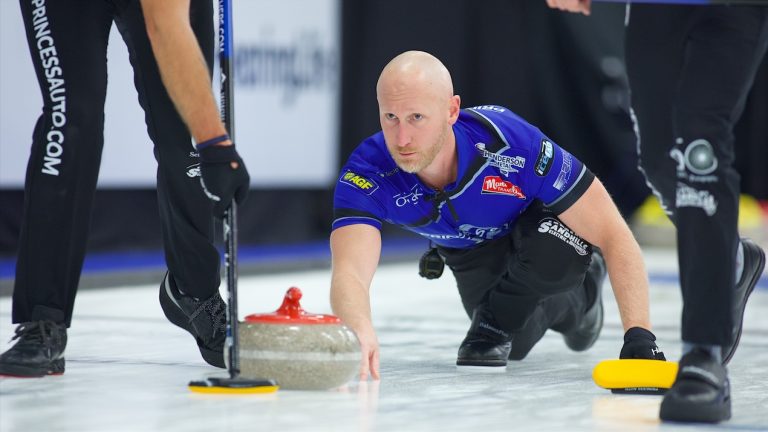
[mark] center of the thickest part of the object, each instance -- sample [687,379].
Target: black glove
[640,343]
[220,180]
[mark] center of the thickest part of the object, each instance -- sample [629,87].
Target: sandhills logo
[559,230]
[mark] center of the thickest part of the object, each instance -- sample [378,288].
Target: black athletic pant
[68,43]
[690,71]
[532,279]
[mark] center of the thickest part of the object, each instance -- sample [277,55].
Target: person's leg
[68,42]
[699,84]
[68,45]
[189,293]
[653,50]
[185,211]
[519,286]
[478,271]
[689,81]
[554,282]
[722,54]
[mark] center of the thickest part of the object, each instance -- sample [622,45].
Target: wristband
[212,141]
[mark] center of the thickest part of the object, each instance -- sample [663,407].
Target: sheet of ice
[127,369]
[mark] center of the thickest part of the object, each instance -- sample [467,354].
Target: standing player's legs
[68,45]
[190,290]
[723,53]
[690,71]
[654,60]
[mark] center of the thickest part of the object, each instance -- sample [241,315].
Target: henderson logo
[497,185]
[360,182]
[505,164]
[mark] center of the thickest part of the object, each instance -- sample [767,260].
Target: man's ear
[454,108]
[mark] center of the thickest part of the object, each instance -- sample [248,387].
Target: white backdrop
[287,68]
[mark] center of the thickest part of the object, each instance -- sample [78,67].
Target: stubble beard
[426,158]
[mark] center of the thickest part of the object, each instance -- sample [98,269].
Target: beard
[423,158]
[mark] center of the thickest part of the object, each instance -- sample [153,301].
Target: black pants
[532,279]
[68,43]
[690,71]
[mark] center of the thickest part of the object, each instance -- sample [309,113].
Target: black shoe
[701,392]
[206,320]
[754,262]
[486,344]
[584,336]
[39,351]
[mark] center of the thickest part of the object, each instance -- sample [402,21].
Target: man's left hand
[224,176]
[640,343]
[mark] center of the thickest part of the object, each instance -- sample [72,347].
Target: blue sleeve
[554,176]
[354,201]
[562,178]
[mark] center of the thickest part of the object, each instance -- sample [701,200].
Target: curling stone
[299,350]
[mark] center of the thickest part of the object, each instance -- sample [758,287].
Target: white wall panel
[287,67]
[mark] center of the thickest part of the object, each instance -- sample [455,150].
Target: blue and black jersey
[504,163]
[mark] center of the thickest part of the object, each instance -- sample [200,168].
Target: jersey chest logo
[505,164]
[498,186]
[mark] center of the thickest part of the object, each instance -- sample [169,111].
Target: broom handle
[230,218]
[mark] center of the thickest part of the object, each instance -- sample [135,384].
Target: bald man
[522,224]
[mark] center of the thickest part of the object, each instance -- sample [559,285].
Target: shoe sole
[748,244]
[177,317]
[17,371]
[474,367]
[479,362]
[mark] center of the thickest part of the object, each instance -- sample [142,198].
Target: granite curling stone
[299,350]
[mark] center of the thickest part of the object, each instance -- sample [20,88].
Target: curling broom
[234,384]
[635,376]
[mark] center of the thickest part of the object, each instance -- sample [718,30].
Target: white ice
[127,369]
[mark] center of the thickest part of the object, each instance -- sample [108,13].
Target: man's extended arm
[185,77]
[595,218]
[355,251]
[182,67]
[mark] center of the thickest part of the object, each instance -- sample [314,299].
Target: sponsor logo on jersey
[360,182]
[544,161]
[391,172]
[489,108]
[556,228]
[565,172]
[505,164]
[409,197]
[471,232]
[499,186]
[479,234]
